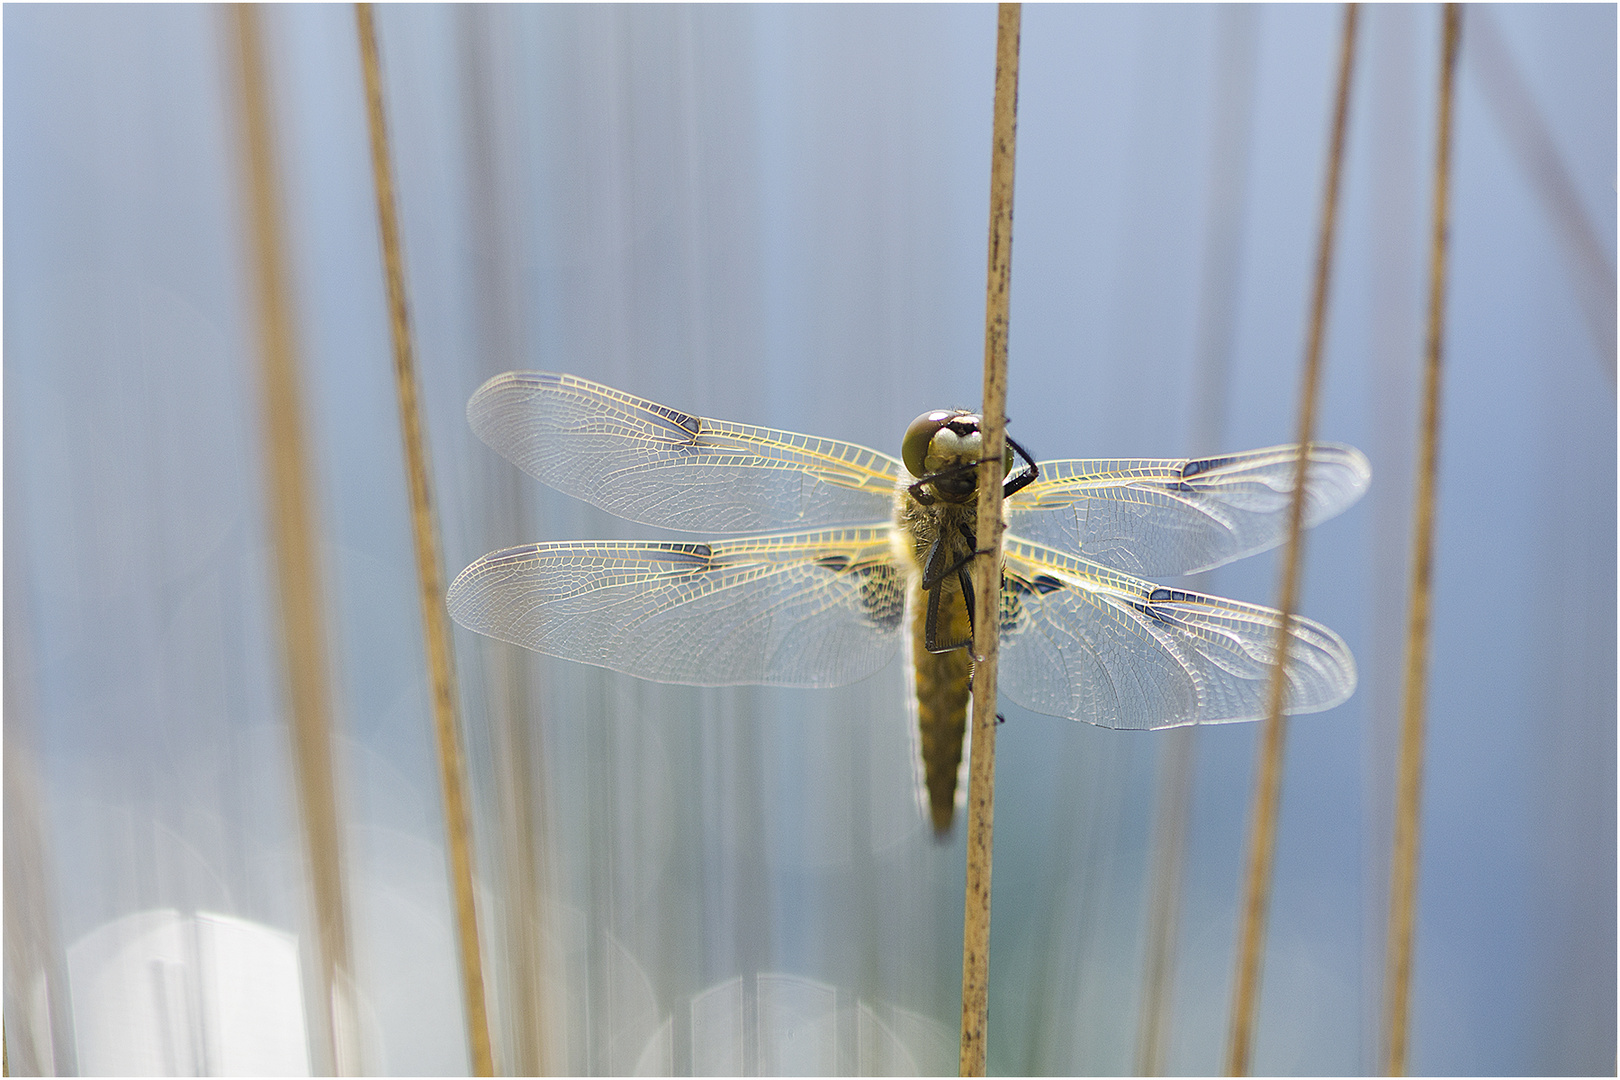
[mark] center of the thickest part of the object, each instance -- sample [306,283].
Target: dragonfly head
[942,445]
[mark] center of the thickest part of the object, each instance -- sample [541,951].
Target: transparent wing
[650,463]
[1158,518]
[1085,642]
[798,609]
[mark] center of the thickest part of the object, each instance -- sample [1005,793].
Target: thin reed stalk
[429,567]
[1268,782]
[1532,143]
[496,228]
[1409,770]
[1237,43]
[293,529]
[1174,799]
[987,572]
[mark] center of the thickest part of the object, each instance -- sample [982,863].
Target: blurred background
[777,215]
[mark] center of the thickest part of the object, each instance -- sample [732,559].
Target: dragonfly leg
[964,576]
[1023,477]
[935,574]
[931,628]
[1014,482]
[933,570]
[965,579]
[919,490]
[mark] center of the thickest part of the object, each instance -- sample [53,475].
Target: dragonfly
[845,554]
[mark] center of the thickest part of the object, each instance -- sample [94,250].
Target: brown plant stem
[987,572]
[1409,769]
[1268,782]
[295,542]
[429,569]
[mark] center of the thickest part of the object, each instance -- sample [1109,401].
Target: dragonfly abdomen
[943,688]
[943,680]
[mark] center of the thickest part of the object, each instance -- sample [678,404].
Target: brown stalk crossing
[429,568]
[987,571]
[1268,782]
[1409,769]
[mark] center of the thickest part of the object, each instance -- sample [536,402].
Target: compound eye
[919,434]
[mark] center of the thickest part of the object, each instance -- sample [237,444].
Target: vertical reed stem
[293,529]
[1268,781]
[1409,771]
[1164,901]
[430,574]
[987,572]
[1532,143]
[1236,46]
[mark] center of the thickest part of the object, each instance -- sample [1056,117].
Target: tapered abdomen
[943,681]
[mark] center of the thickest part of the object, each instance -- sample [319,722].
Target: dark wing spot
[700,551]
[1012,604]
[696,558]
[684,426]
[1203,465]
[1149,610]
[1164,596]
[1174,596]
[1013,591]
[836,563]
[882,595]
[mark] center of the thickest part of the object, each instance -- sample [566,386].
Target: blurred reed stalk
[1236,46]
[429,566]
[496,216]
[1409,771]
[36,991]
[987,572]
[1532,143]
[293,530]
[1268,782]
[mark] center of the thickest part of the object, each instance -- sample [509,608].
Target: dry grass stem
[1268,782]
[293,528]
[1409,769]
[987,572]
[429,568]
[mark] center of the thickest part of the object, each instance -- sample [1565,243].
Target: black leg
[965,579]
[1023,477]
[933,573]
[1013,483]
[934,577]
[918,491]
[931,629]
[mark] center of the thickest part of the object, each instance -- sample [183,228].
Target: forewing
[801,609]
[1091,644]
[1158,518]
[653,464]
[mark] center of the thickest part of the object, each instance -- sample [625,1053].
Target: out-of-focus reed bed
[776,213]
